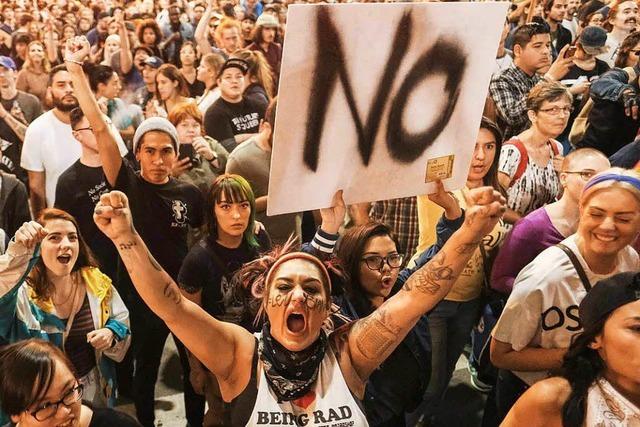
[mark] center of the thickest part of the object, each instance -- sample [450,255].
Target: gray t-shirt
[252,163]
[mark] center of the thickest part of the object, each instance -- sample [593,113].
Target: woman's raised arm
[372,339]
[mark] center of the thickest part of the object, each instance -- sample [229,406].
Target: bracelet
[74,62]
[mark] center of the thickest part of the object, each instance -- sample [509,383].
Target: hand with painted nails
[112,215]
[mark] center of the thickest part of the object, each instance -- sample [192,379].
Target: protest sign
[379,99]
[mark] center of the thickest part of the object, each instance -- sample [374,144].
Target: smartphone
[186,150]
[570,52]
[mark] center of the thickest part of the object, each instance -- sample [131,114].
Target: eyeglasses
[554,111]
[87,128]
[49,409]
[376,262]
[585,175]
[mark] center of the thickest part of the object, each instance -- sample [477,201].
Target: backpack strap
[524,158]
[576,264]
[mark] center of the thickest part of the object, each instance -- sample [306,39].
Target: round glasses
[376,262]
[48,410]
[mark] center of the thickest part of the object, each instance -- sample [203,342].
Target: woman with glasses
[540,317]
[51,288]
[529,162]
[296,369]
[369,257]
[38,388]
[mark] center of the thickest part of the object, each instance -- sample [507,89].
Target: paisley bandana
[290,374]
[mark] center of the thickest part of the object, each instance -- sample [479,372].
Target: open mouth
[296,322]
[630,21]
[387,282]
[64,259]
[67,423]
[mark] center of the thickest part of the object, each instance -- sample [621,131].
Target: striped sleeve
[324,242]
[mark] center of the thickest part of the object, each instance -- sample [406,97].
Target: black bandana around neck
[291,374]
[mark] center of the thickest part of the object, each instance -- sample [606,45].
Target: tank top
[606,406]
[79,351]
[329,404]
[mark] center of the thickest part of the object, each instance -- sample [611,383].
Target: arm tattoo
[172,293]
[377,334]
[467,248]
[427,279]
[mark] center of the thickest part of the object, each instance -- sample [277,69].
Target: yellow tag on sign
[439,168]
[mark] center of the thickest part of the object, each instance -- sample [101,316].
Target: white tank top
[328,404]
[607,407]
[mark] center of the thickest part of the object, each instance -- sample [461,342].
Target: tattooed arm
[372,339]
[225,349]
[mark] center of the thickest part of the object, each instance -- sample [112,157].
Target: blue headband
[612,177]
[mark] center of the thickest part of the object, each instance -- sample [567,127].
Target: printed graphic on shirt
[96,191]
[246,122]
[179,209]
[333,417]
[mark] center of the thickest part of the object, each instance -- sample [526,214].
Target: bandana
[290,374]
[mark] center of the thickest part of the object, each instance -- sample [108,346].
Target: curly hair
[148,23]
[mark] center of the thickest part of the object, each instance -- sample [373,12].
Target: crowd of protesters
[135,147]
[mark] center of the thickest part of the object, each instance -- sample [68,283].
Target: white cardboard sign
[372,93]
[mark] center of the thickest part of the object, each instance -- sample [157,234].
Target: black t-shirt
[162,215]
[78,190]
[196,88]
[223,120]
[209,267]
[10,144]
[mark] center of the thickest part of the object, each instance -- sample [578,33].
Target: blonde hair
[259,69]
[592,188]
[28,65]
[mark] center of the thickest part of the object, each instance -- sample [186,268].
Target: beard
[63,106]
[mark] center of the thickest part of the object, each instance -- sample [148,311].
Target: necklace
[71,291]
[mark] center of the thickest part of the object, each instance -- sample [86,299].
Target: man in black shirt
[165,208]
[79,189]
[232,119]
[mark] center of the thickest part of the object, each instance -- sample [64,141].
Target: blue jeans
[450,324]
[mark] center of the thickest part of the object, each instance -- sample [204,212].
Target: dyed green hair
[235,189]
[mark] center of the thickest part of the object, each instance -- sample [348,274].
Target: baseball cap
[153,61]
[593,39]
[159,124]
[7,63]
[238,63]
[607,295]
[267,20]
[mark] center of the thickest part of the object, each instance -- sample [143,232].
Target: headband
[612,177]
[300,255]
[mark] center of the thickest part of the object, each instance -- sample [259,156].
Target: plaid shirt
[401,215]
[509,91]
